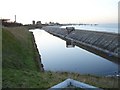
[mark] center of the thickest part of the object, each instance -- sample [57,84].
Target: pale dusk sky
[62,11]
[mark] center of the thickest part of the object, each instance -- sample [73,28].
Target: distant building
[51,23]
[33,22]
[8,23]
[38,23]
[4,20]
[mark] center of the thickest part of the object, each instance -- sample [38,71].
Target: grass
[34,79]
[17,49]
[20,69]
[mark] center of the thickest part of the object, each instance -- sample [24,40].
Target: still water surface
[57,57]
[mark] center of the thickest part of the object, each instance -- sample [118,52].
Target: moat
[59,55]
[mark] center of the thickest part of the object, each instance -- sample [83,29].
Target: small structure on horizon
[33,22]
[38,23]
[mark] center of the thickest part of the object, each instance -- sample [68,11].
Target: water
[57,57]
[100,27]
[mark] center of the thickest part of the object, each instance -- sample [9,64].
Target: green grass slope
[17,49]
[17,53]
[19,69]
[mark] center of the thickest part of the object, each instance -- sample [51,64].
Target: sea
[112,27]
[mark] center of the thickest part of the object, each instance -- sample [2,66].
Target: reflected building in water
[70,44]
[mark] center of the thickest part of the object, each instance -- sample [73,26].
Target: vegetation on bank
[17,49]
[20,69]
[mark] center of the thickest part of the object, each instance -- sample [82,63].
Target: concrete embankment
[102,43]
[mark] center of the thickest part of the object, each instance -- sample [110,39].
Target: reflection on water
[70,44]
[56,57]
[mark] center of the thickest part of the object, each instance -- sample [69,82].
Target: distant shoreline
[110,28]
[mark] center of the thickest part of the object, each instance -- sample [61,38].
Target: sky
[62,11]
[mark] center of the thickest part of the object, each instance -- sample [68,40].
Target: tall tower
[15,19]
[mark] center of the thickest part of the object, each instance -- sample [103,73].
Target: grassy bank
[17,49]
[20,67]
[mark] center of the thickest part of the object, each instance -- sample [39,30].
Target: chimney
[15,19]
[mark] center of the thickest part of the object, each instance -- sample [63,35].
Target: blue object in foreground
[71,82]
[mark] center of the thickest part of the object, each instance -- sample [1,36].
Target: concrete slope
[102,43]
